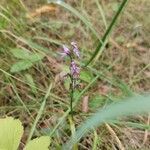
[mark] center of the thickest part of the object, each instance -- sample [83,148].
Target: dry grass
[125,64]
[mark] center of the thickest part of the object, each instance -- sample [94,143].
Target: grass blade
[101,12]
[39,113]
[132,106]
[103,42]
[78,14]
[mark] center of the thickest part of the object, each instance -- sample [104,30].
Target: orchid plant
[74,69]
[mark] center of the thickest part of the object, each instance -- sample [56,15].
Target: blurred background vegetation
[31,36]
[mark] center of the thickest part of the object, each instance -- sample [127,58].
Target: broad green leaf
[36,57]
[36,46]
[26,55]
[11,131]
[20,53]
[41,143]
[21,65]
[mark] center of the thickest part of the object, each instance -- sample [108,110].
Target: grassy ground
[123,67]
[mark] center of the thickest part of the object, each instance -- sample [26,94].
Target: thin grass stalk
[102,42]
[39,113]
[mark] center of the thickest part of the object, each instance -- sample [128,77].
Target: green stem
[72,88]
[71,96]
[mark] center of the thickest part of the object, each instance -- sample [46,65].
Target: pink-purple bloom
[74,69]
[75,49]
[66,51]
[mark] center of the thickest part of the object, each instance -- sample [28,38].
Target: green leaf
[37,46]
[26,55]
[20,53]
[41,143]
[11,131]
[21,65]
[36,57]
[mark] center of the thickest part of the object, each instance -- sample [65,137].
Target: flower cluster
[75,49]
[66,51]
[74,70]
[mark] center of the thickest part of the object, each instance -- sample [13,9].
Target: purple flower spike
[74,69]
[66,51]
[75,49]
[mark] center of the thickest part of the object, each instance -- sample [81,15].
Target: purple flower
[75,49]
[74,69]
[66,51]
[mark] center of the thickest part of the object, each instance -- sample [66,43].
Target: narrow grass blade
[39,113]
[18,97]
[95,142]
[131,124]
[31,82]
[57,42]
[132,106]
[24,82]
[102,13]
[78,14]
[103,42]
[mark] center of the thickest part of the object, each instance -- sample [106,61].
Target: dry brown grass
[127,52]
